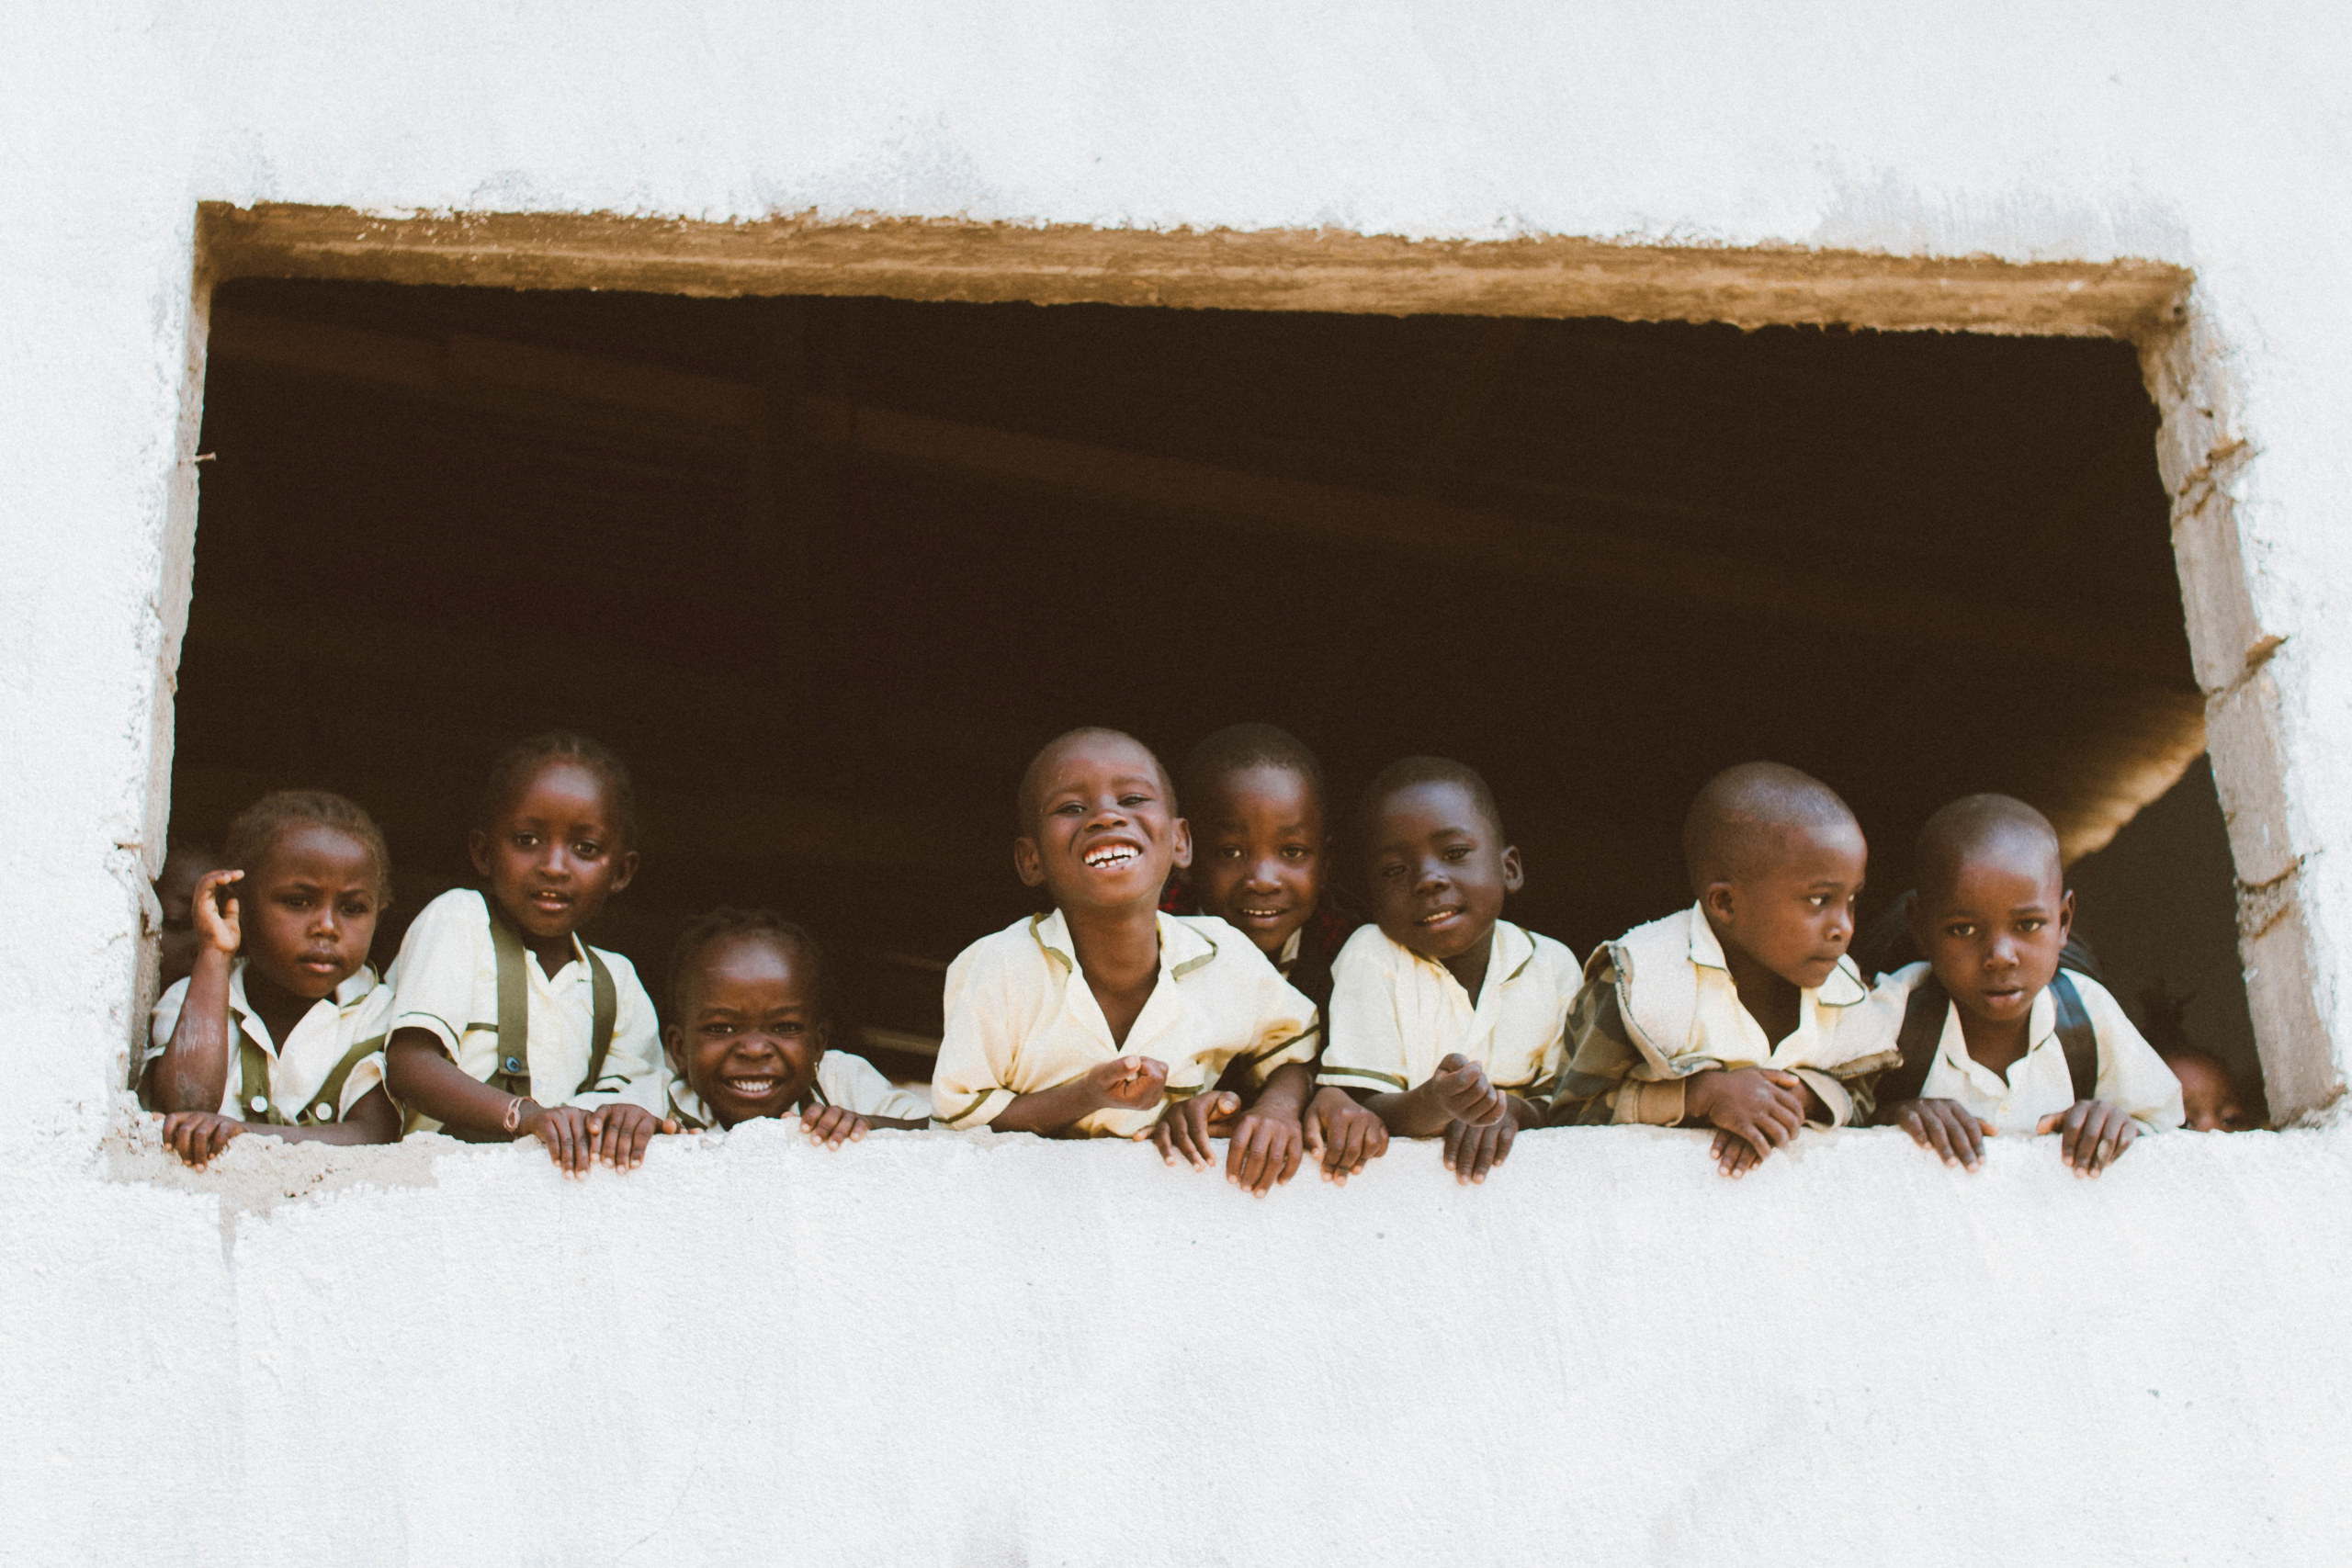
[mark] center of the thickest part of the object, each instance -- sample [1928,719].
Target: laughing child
[1996,1038]
[1106,1018]
[1445,1017]
[1742,1012]
[506,1025]
[1260,864]
[278,1026]
[750,1022]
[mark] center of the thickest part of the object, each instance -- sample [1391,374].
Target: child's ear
[674,1045]
[824,1035]
[1180,844]
[1717,900]
[624,871]
[2066,915]
[1026,864]
[478,852]
[1514,869]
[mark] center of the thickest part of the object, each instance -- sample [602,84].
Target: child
[750,1024]
[1995,1037]
[506,1025]
[1743,1012]
[1259,864]
[183,866]
[2210,1101]
[1106,1018]
[1445,1017]
[279,1026]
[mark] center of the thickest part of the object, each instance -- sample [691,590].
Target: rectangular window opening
[825,571]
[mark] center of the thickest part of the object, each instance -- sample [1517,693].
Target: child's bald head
[1988,830]
[1749,818]
[1088,741]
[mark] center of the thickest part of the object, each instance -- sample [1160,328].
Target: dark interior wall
[1916,565]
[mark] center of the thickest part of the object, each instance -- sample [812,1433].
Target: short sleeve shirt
[359,1011]
[843,1079]
[1395,1015]
[1021,1018]
[446,982]
[2038,1084]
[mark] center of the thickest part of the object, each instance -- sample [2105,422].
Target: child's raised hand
[215,913]
[833,1125]
[617,1134]
[1342,1135]
[1134,1083]
[1187,1126]
[197,1135]
[1471,1150]
[1264,1152]
[2092,1134]
[1943,1126]
[1461,1088]
[1763,1108]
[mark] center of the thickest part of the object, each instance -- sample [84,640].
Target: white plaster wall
[942,1352]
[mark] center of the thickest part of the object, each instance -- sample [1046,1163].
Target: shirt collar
[1289,954]
[1842,989]
[1183,947]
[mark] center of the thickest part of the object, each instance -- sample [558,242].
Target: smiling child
[1445,1017]
[1996,1038]
[1742,1012]
[507,1024]
[279,1025]
[749,1028]
[1260,864]
[1106,1018]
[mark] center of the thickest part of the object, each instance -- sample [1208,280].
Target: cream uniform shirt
[1021,1018]
[1395,1015]
[2037,1085]
[842,1078]
[361,1008]
[446,982]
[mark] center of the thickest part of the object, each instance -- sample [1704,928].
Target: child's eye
[1392,872]
[1228,851]
[718,1029]
[527,841]
[1457,851]
[1962,931]
[588,849]
[2029,927]
[1293,852]
[1132,799]
[1069,808]
[790,1026]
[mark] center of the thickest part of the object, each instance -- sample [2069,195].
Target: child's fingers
[640,1135]
[1292,1148]
[1310,1132]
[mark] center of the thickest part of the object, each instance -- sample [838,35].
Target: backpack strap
[1922,1033]
[603,1008]
[2076,1037]
[513,1072]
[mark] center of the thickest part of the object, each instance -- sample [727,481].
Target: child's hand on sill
[617,1134]
[1941,1125]
[1471,1150]
[2092,1134]
[1187,1126]
[1340,1134]
[1758,1109]
[1265,1152]
[198,1135]
[833,1125]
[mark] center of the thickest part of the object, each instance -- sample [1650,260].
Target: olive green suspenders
[255,1100]
[513,1073]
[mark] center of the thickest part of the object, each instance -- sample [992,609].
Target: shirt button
[259,1102]
[323,1111]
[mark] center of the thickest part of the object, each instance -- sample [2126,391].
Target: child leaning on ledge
[1996,1036]
[279,1026]
[1742,1012]
[506,1025]
[750,1022]
[1106,1018]
[1445,1017]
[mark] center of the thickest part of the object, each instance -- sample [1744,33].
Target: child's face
[1257,853]
[175,891]
[1105,831]
[2208,1097]
[747,1038]
[1795,916]
[1439,871]
[1994,933]
[553,855]
[306,914]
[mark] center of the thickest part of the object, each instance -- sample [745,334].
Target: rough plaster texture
[955,1351]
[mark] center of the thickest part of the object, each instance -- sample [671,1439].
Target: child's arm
[1458,1092]
[193,1072]
[1134,1083]
[198,1135]
[420,1074]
